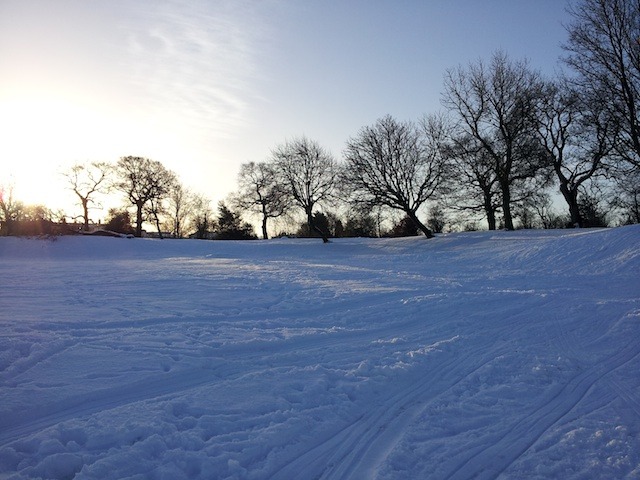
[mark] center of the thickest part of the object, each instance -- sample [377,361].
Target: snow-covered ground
[471,355]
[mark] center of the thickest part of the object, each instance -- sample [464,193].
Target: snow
[471,355]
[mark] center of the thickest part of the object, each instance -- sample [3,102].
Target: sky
[204,86]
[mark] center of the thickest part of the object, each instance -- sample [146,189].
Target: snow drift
[471,355]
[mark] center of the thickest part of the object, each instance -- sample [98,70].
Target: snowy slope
[471,355]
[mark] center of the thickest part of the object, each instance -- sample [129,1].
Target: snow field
[472,355]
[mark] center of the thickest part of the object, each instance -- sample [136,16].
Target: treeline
[507,140]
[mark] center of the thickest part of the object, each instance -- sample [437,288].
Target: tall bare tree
[260,191]
[86,180]
[179,204]
[577,137]
[309,173]
[145,184]
[493,104]
[627,198]
[202,217]
[604,50]
[475,183]
[397,165]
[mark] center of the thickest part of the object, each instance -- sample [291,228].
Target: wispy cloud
[195,62]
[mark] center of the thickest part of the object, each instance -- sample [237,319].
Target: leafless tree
[145,184]
[179,203]
[309,173]
[474,181]
[627,198]
[202,217]
[86,180]
[37,212]
[397,165]
[604,50]
[492,104]
[577,138]
[260,191]
[11,210]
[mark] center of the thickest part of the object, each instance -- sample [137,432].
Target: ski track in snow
[473,355]
[361,446]
[500,453]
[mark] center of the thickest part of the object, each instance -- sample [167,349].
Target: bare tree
[541,205]
[597,203]
[10,209]
[202,217]
[627,198]
[179,204]
[156,207]
[577,138]
[493,105]
[397,165]
[86,180]
[260,191]
[145,183]
[475,183]
[308,172]
[604,50]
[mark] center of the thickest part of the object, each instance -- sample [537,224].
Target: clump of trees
[119,221]
[230,225]
[507,138]
[19,219]
[493,108]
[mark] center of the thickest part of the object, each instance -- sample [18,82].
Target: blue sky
[204,86]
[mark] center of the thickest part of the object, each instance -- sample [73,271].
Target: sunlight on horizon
[205,86]
[47,135]
[90,84]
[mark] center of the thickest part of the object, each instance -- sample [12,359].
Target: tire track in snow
[492,461]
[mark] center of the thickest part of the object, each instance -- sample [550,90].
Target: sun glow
[48,134]
[39,132]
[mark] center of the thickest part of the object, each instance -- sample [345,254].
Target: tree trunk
[421,226]
[489,211]
[85,209]
[571,197]
[265,236]
[139,219]
[491,219]
[157,220]
[506,205]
